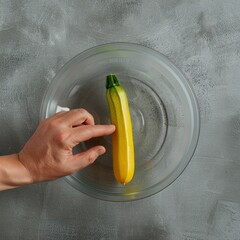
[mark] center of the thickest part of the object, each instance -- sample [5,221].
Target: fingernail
[101,151]
[113,126]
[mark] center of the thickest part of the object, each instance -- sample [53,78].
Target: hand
[48,153]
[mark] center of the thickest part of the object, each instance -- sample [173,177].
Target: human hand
[48,153]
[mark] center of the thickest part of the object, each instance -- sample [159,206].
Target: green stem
[111,81]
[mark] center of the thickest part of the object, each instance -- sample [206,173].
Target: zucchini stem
[111,81]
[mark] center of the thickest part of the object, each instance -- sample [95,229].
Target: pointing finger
[86,132]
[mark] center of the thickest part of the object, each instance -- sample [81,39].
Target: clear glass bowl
[164,113]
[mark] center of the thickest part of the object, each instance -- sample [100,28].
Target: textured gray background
[202,38]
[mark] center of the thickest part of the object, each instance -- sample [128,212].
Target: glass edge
[169,65]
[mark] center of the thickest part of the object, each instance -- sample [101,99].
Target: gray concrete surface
[202,38]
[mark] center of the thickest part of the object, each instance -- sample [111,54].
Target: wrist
[13,173]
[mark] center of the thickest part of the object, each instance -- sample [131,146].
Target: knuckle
[52,125]
[60,137]
[91,117]
[82,111]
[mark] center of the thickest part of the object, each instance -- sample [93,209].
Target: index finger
[86,132]
[76,117]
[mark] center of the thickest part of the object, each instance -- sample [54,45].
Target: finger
[77,117]
[83,159]
[86,132]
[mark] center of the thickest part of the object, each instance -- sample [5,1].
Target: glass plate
[164,113]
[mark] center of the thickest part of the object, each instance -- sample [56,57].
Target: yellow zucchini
[122,138]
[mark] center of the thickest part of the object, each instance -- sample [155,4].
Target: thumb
[86,158]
